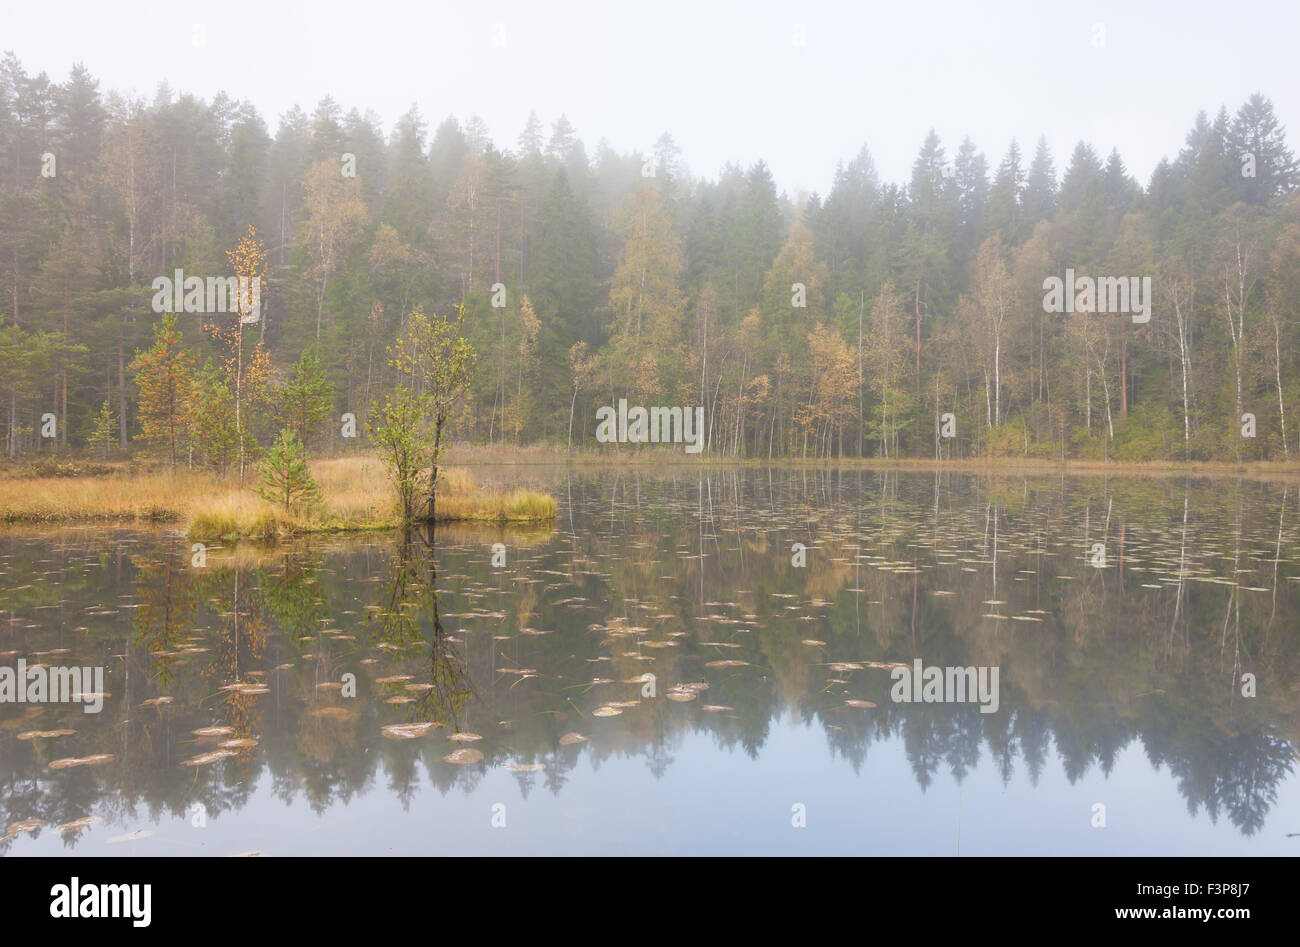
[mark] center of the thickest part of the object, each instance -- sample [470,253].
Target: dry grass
[118,498]
[660,456]
[355,490]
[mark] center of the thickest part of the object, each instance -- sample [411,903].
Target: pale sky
[727,79]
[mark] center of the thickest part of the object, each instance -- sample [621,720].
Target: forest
[878,320]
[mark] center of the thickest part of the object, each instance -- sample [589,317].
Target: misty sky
[725,78]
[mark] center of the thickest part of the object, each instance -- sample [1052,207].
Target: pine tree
[307,398]
[286,476]
[105,430]
[165,377]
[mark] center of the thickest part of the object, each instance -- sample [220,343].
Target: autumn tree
[526,366]
[165,377]
[251,374]
[436,363]
[398,428]
[335,217]
[887,348]
[646,336]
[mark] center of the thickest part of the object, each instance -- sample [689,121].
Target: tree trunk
[121,397]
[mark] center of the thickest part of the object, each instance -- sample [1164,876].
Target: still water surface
[1121,613]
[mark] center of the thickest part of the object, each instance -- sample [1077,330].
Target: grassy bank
[356,496]
[475,455]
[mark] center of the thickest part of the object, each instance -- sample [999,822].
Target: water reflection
[662,609]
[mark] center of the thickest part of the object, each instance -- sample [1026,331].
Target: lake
[685,663]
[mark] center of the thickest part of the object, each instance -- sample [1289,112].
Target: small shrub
[286,477]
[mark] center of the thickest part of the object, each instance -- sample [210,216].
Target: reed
[356,496]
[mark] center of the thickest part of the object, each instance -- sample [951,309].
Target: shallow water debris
[78,825]
[407,731]
[44,734]
[131,836]
[569,739]
[96,760]
[26,825]
[333,713]
[210,757]
[464,755]
[156,701]
[213,731]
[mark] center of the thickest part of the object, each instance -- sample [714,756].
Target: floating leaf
[27,825]
[95,760]
[78,825]
[465,754]
[131,836]
[407,731]
[210,757]
[334,713]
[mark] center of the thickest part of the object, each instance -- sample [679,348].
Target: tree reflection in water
[691,578]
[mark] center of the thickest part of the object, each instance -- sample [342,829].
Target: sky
[801,85]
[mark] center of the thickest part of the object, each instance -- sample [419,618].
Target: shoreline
[356,498]
[206,507]
[1268,470]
